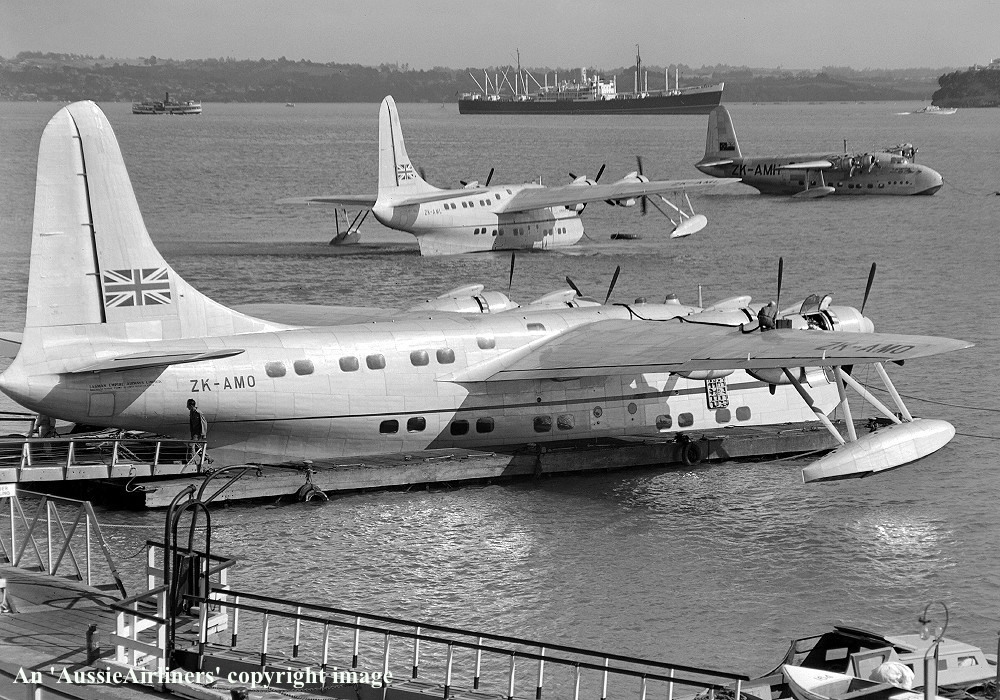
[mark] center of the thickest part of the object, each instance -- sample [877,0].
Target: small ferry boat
[167,106]
[590,95]
[934,109]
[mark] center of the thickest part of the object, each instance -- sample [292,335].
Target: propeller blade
[614,281]
[643,206]
[572,176]
[638,163]
[781,268]
[600,172]
[511,280]
[573,286]
[489,177]
[868,287]
[423,173]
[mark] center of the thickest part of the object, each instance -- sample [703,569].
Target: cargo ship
[590,95]
[167,106]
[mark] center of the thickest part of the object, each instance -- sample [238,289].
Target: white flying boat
[115,337]
[483,217]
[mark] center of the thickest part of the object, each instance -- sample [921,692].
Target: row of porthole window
[543,423]
[350,363]
[468,204]
[418,424]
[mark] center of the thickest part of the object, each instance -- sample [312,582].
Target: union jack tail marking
[404,171]
[143,287]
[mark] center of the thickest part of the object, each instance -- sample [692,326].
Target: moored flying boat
[115,337]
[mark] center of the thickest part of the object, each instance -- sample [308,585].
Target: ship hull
[690,103]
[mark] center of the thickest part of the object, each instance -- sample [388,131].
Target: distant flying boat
[811,175]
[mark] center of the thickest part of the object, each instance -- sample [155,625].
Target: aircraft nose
[928,181]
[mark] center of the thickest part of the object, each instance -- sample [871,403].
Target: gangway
[108,454]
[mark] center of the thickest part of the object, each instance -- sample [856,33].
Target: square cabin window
[349,364]
[387,427]
[484,425]
[459,427]
[275,369]
[418,358]
[543,424]
[416,424]
[375,361]
[303,367]
[445,356]
[486,343]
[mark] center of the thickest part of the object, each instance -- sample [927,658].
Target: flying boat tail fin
[396,174]
[94,271]
[721,142]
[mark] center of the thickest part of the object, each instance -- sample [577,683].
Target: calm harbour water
[719,565]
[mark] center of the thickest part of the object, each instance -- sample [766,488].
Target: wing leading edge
[674,346]
[541,197]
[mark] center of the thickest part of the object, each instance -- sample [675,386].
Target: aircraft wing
[808,165]
[611,346]
[344,200]
[541,197]
[152,358]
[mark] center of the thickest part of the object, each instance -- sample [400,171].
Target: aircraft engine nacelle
[580,181]
[703,374]
[630,202]
[811,376]
[468,300]
[723,317]
[849,320]
[632,178]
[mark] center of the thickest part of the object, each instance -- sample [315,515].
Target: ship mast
[518,76]
[638,68]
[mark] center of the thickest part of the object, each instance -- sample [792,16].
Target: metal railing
[508,651]
[110,449]
[67,542]
[140,636]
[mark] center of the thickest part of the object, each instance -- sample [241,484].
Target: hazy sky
[564,33]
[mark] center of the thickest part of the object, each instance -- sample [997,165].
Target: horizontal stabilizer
[716,163]
[343,200]
[144,360]
[10,343]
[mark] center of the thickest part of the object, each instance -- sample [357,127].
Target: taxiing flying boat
[892,171]
[115,337]
[483,217]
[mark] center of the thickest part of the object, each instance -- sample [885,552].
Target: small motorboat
[812,684]
[857,653]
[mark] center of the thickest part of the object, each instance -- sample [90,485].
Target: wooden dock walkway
[47,633]
[305,479]
[149,473]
